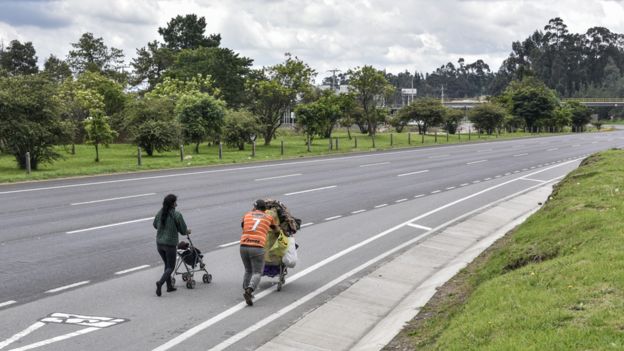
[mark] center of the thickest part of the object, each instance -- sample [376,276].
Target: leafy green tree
[273,92]
[152,124]
[319,117]
[452,120]
[239,126]
[150,64]
[227,69]
[426,112]
[30,119]
[370,89]
[91,54]
[201,116]
[530,100]
[581,115]
[18,58]
[98,130]
[187,32]
[174,88]
[487,117]
[56,69]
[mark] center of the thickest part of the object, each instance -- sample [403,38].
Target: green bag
[278,249]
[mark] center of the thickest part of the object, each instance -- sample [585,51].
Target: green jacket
[168,234]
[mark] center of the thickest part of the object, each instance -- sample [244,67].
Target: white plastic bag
[290,257]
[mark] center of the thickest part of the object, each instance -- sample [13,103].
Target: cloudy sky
[396,35]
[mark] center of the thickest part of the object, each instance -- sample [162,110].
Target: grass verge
[555,283]
[123,157]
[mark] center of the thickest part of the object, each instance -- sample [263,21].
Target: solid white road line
[68,286]
[110,225]
[132,269]
[418,226]
[330,218]
[231,244]
[309,190]
[474,162]
[6,303]
[410,173]
[382,205]
[21,334]
[358,211]
[57,338]
[111,199]
[202,326]
[533,180]
[278,177]
[374,164]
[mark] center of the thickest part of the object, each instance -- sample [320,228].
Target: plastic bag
[278,249]
[290,257]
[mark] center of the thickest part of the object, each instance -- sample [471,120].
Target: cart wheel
[279,286]
[185,276]
[207,278]
[190,284]
[173,281]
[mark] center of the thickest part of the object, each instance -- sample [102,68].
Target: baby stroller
[189,261]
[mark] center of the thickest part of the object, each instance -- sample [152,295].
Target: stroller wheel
[185,276]
[190,284]
[207,278]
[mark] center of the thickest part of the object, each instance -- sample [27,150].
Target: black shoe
[158,287]
[248,296]
[171,289]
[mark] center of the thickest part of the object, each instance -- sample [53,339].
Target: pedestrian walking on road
[168,223]
[255,224]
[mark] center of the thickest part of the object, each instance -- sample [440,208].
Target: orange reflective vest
[256,225]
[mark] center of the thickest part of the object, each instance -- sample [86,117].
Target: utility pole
[334,85]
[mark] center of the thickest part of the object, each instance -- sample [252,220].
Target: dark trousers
[168,255]
[253,260]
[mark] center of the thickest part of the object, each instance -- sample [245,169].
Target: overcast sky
[393,35]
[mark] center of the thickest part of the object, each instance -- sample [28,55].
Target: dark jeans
[253,260]
[168,255]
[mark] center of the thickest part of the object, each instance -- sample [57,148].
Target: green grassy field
[123,157]
[556,283]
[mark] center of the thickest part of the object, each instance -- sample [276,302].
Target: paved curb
[369,314]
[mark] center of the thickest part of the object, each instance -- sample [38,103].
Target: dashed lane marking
[67,287]
[132,269]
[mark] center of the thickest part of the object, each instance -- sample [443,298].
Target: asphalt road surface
[86,246]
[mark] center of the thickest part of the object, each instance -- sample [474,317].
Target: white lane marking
[358,211]
[486,179]
[518,155]
[498,176]
[132,269]
[436,191]
[525,169]
[109,225]
[310,190]
[382,205]
[111,199]
[484,150]
[419,195]
[464,184]
[450,188]
[57,338]
[21,334]
[533,180]
[231,244]
[330,218]
[374,164]
[400,200]
[67,287]
[508,173]
[6,303]
[476,181]
[278,177]
[418,226]
[439,156]
[306,224]
[474,162]
[235,338]
[410,173]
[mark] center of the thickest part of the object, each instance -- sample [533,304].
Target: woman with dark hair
[168,223]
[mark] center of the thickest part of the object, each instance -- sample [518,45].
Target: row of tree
[188,89]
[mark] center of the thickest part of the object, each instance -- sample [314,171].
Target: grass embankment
[123,157]
[556,283]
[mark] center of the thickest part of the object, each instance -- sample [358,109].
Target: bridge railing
[594,99]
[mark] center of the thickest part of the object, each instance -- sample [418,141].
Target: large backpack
[288,222]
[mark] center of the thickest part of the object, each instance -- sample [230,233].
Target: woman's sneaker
[248,296]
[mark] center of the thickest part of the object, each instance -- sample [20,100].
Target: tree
[201,116]
[98,130]
[152,124]
[452,120]
[530,100]
[151,63]
[426,112]
[319,117]
[56,69]
[581,115]
[91,54]
[273,92]
[226,68]
[19,58]
[174,89]
[370,89]
[30,119]
[487,117]
[238,128]
[187,33]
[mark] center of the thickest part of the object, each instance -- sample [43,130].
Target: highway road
[86,246]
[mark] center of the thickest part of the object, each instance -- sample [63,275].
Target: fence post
[435,136]
[373,137]
[253,149]
[181,152]
[28,162]
[391,139]
[447,133]
[308,143]
[331,145]
[220,150]
[139,155]
[409,138]
[468,133]
[423,137]
[336,143]
[355,137]
[282,147]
